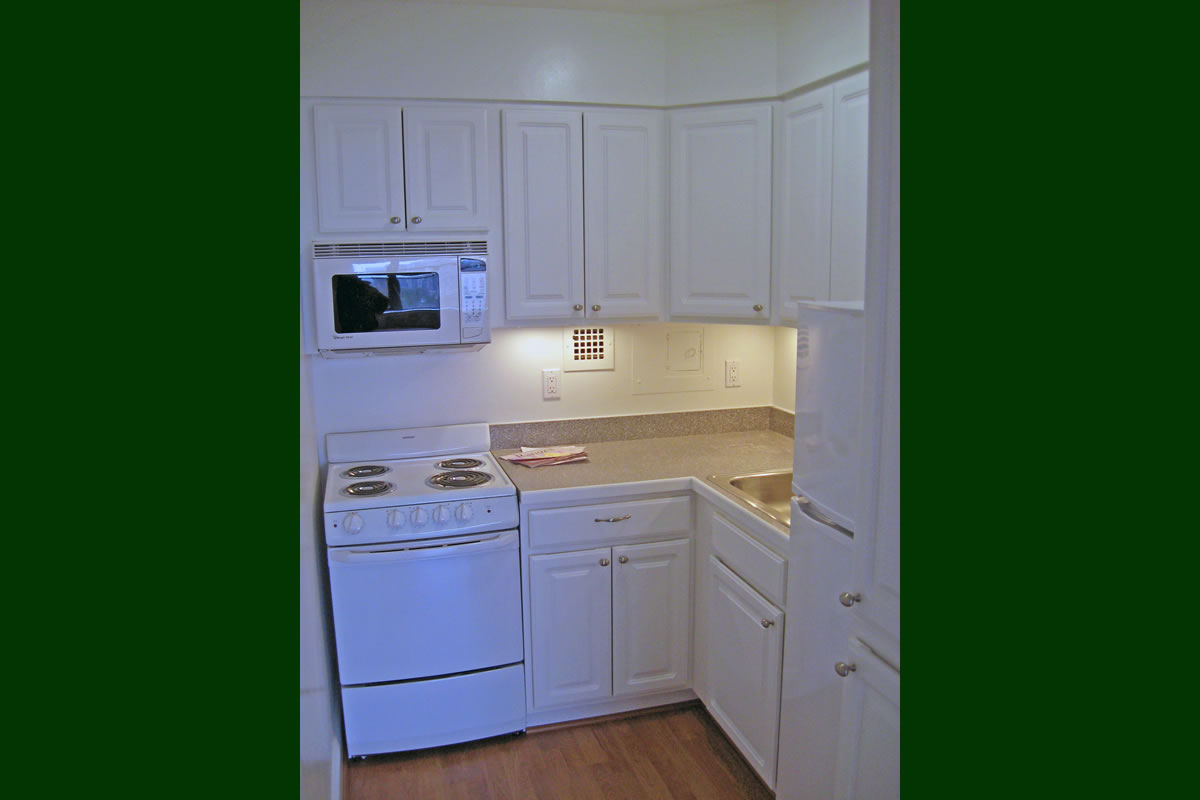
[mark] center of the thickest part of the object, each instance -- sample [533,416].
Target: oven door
[428,608]
[367,303]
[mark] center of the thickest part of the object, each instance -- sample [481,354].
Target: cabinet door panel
[721,212]
[868,762]
[543,213]
[745,659]
[651,617]
[360,168]
[571,627]
[803,221]
[624,161]
[445,154]
[848,253]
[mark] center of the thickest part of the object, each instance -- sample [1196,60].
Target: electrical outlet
[551,384]
[733,373]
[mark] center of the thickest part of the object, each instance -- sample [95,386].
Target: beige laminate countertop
[651,459]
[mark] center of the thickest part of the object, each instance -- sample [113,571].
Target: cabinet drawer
[754,563]
[630,520]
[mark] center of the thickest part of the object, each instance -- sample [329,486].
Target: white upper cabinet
[848,249]
[805,187]
[624,163]
[543,214]
[721,212]
[446,168]
[360,168]
[365,153]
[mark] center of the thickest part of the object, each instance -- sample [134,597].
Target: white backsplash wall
[502,382]
[818,38]
[784,391]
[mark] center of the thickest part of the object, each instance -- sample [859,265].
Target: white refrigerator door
[829,373]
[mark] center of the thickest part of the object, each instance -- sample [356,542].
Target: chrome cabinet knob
[758,306]
[595,308]
[416,220]
[604,562]
[624,559]
[578,306]
[766,623]
[395,220]
[844,669]
[850,599]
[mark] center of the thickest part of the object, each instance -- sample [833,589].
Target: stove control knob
[397,519]
[419,516]
[464,512]
[441,514]
[352,523]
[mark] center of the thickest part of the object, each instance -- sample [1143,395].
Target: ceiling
[625,6]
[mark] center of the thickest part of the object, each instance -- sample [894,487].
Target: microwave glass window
[386,302]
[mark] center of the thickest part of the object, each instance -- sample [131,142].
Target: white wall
[502,382]
[721,54]
[818,38]
[784,389]
[320,727]
[382,48]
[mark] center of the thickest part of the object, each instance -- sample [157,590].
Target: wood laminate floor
[676,753]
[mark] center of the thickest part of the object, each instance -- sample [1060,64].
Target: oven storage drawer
[610,522]
[427,608]
[407,716]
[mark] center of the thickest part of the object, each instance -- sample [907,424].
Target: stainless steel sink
[770,492]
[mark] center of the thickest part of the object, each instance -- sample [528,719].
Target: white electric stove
[424,574]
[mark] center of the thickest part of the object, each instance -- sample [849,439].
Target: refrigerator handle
[816,516]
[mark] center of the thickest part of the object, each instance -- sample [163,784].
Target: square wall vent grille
[587,348]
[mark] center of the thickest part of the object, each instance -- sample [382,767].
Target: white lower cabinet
[609,622]
[744,663]
[868,760]
[570,601]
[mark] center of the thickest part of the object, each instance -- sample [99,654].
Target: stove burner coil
[459,463]
[365,471]
[459,479]
[367,488]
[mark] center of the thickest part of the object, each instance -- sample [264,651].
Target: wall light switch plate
[733,373]
[551,384]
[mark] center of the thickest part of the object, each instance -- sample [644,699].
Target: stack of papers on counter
[547,456]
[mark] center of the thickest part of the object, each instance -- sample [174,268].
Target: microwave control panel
[473,297]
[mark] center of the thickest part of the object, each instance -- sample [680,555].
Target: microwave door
[405,306]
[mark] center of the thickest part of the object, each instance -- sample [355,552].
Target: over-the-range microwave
[381,295]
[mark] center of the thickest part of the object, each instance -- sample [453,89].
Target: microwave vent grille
[371,249]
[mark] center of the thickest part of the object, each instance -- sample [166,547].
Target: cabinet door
[570,596]
[360,168]
[721,212]
[848,248]
[543,214]
[805,177]
[624,161]
[745,658]
[445,159]
[868,760]
[651,617]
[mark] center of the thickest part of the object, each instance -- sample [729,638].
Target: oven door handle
[428,549]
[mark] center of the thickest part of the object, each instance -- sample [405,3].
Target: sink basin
[770,492]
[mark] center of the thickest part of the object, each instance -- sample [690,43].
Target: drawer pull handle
[612,519]
[604,562]
[766,623]
[624,559]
